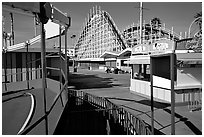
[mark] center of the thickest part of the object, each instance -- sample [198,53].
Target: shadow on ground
[82,81]
[80,118]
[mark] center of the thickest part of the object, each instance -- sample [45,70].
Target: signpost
[164,76]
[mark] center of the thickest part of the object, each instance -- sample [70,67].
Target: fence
[195,100]
[132,125]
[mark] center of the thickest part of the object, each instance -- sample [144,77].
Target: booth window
[141,72]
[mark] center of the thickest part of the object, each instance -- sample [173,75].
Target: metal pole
[5,65]
[141,21]
[60,55]
[172,95]
[66,58]
[66,63]
[11,58]
[60,47]
[4,51]
[43,63]
[27,73]
[12,31]
[152,98]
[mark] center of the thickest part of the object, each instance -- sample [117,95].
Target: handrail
[35,70]
[57,97]
[29,128]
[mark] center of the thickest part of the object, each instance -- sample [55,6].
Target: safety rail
[195,100]
[37,122]
[132,125]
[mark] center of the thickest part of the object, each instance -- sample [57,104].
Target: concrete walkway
[15,109]
[115,87]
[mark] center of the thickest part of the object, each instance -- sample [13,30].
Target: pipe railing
[37,122]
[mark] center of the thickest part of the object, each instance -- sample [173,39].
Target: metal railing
[37,122]
[195,100]
[132,125]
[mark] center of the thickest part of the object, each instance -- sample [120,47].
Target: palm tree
[198,16]
[198,21]
[156,23]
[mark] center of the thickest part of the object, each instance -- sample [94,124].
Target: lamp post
[72,37]
[141,21]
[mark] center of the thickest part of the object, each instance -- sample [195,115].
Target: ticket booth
[188,72]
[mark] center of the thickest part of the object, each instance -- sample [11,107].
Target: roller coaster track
[107,19]
[115,29]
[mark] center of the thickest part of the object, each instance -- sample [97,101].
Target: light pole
[72,37]
[141,21]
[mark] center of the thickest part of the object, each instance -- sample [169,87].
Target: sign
[140,49]
[160,46]
[194,44]
[161,70]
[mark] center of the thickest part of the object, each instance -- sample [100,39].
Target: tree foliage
[156,22]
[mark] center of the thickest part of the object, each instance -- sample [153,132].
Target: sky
[178,15]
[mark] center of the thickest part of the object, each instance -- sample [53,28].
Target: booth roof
[109,54]
[188,78]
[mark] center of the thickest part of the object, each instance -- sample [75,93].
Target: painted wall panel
[14,66]
[33,66]
[29,66]
[8,57]
[23,66]
[19,66]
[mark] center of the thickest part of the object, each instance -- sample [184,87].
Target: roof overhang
[91,59]
[188,78]
[189,56]
[141,59]
[108,54]
[125,52]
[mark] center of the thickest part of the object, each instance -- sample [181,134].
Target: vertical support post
[4,51]
[60,47]
[151,31]
[172,31]
[5,62]
[172,94]
[66,61]
[141,21]
[60,59]
[35,28]
[27,73]
[43,64]
[152,98]
[180,35]
[5,65]
[12,31]
[66,58]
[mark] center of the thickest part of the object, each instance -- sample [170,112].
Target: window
[141,72]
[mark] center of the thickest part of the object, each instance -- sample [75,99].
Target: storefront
[188,84]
